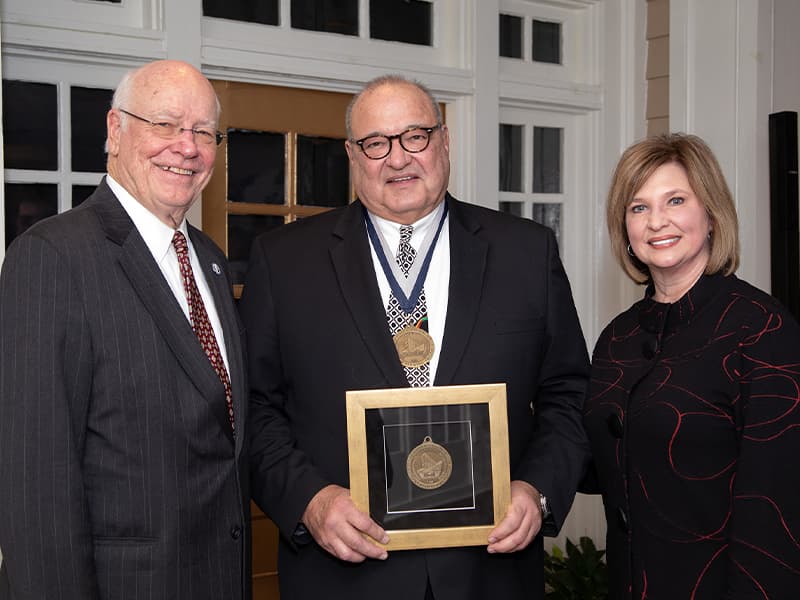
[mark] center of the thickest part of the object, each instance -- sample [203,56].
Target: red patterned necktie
[199,318]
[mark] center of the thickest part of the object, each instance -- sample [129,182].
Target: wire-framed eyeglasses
[169,131]
[414,139]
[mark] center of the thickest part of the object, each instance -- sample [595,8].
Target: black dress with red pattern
[694,421]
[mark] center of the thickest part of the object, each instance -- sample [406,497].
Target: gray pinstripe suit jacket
[119,475]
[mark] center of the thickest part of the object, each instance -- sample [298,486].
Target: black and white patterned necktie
[398,320]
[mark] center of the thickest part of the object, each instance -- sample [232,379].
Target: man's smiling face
[165,175]
[403,186]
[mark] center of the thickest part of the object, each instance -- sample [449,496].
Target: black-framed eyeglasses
[414,139]
[170,131]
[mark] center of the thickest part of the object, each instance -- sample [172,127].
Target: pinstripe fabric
[120,475]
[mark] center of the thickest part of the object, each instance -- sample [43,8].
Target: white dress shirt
[158,237]
[437,280]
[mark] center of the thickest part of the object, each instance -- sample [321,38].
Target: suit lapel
[355,272]
[153,291]
[468,254]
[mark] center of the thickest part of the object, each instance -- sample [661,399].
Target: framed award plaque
[430,465]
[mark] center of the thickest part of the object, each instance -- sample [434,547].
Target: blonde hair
[635,167]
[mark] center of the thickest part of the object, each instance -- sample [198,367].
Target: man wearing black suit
[497,308]
[122,459]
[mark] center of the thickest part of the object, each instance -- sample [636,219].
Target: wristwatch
[544,506]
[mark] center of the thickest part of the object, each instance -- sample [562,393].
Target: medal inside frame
[468,424]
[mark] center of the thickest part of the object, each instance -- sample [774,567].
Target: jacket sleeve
[45,378]
[764,533]
[558,454]
[283,480]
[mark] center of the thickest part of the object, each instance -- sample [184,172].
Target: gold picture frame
[468,424]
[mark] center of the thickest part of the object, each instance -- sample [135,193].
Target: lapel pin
[216,269]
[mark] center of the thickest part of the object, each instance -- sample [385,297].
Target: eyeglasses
[414,140]
[170,131]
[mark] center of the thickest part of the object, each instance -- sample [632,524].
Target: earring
[630,252]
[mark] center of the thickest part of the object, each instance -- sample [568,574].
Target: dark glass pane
[242,230]
[510,36]
[408,21]
[27,203]
[546,37]
[510,158]
[322,172]
[88,119]
[81,193]
[333,16]
[110,1]
[30,125]
[256,166]
[249,11]
[512,208]
[549,214]
[546,160]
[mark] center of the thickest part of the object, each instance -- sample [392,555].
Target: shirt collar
[156,234]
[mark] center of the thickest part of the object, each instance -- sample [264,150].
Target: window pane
[256,166]
[88,121]
[546,160]
[546,38]
[81,193]
[512,208]
[242,230]
[510,158]
[333,16]
[260,11]
[549,215]
[30,125]
[406,21]
[322,172]
[510,36]
[27,203]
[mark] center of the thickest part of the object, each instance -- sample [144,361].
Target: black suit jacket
[316,327]
[120,475]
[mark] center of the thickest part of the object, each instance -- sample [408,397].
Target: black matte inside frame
[463,431]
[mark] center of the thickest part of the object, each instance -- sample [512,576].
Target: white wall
[732,63]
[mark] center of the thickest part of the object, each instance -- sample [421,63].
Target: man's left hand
[521,523]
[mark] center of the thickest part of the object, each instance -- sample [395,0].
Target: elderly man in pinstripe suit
[122,389]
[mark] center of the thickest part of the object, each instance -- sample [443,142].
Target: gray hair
[390,79]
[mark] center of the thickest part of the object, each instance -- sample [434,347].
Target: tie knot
[179,241]
[405,233]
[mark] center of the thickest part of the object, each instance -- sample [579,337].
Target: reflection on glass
[242,230]
[333,16]
[256,170]
[547,160]
[81,193]
[408,21]
[549,214]
[510,36]
[512,208]
[546,38]
[510,158]
[322,172]
[26,203]
[88,123]
[263,11]
[30,125]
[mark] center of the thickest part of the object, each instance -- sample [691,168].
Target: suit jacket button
[236,532]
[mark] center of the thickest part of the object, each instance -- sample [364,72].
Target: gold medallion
[429,465]
[414,346]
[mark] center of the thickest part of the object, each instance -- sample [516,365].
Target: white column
[721,86]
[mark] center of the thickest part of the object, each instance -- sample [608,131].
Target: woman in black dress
[694,406]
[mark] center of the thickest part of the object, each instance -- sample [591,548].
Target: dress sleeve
[764,532]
